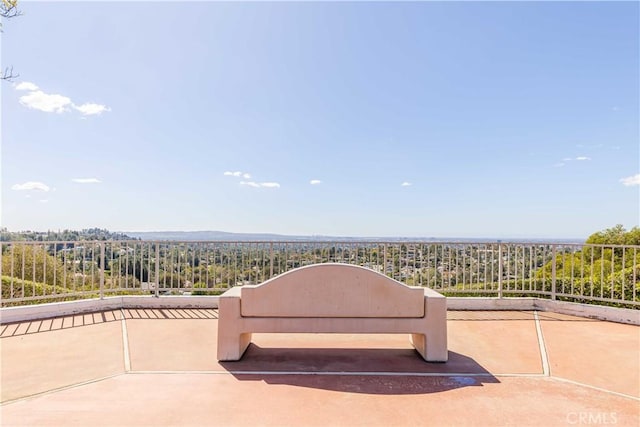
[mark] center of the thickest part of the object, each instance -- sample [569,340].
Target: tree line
[62,235]
[598,268]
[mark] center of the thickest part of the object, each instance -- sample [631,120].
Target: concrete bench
[332,298]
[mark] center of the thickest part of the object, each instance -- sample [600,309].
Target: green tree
[33,263]
[607,266]
[617,235]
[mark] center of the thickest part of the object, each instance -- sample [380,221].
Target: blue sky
[360,119]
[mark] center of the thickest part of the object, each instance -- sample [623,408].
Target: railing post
[500,266]
[384,259]
[270,260]
[102,265]
[157,269]
[553,272]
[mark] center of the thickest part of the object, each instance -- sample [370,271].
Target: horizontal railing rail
[38,272]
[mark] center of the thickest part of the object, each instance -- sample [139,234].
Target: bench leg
[232,347]
[232,342]
[431,351]
[432,343]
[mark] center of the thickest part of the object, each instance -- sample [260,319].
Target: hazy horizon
[216,234]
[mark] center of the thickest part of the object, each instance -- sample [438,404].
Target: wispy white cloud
[238,174]
[260,184]
[26,86]
[49,103]
[246,176]
[86,180]
[631,180]
[31,185]
[91,109]
[37,99]
[566,160]
[44,200]
[315,182]
[406,184]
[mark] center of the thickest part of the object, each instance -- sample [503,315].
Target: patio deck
[159,367]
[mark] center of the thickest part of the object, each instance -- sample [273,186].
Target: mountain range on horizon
[214,235]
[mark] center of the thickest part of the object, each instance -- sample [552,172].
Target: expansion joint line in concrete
[340,373]
[592,387]
[125,343]
[58,389]
[276,373]
[543,348]
[532,376]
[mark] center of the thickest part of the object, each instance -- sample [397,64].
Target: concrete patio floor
[158,367]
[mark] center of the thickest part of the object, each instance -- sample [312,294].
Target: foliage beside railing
[35,272]
[22,292]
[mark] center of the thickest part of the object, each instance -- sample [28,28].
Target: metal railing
[37,272]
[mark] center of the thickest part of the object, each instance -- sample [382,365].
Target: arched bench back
[332,290]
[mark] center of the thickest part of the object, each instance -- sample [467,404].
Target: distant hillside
[208,236]
[190,236]
[62,235]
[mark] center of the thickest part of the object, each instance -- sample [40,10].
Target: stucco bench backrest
[332,290]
